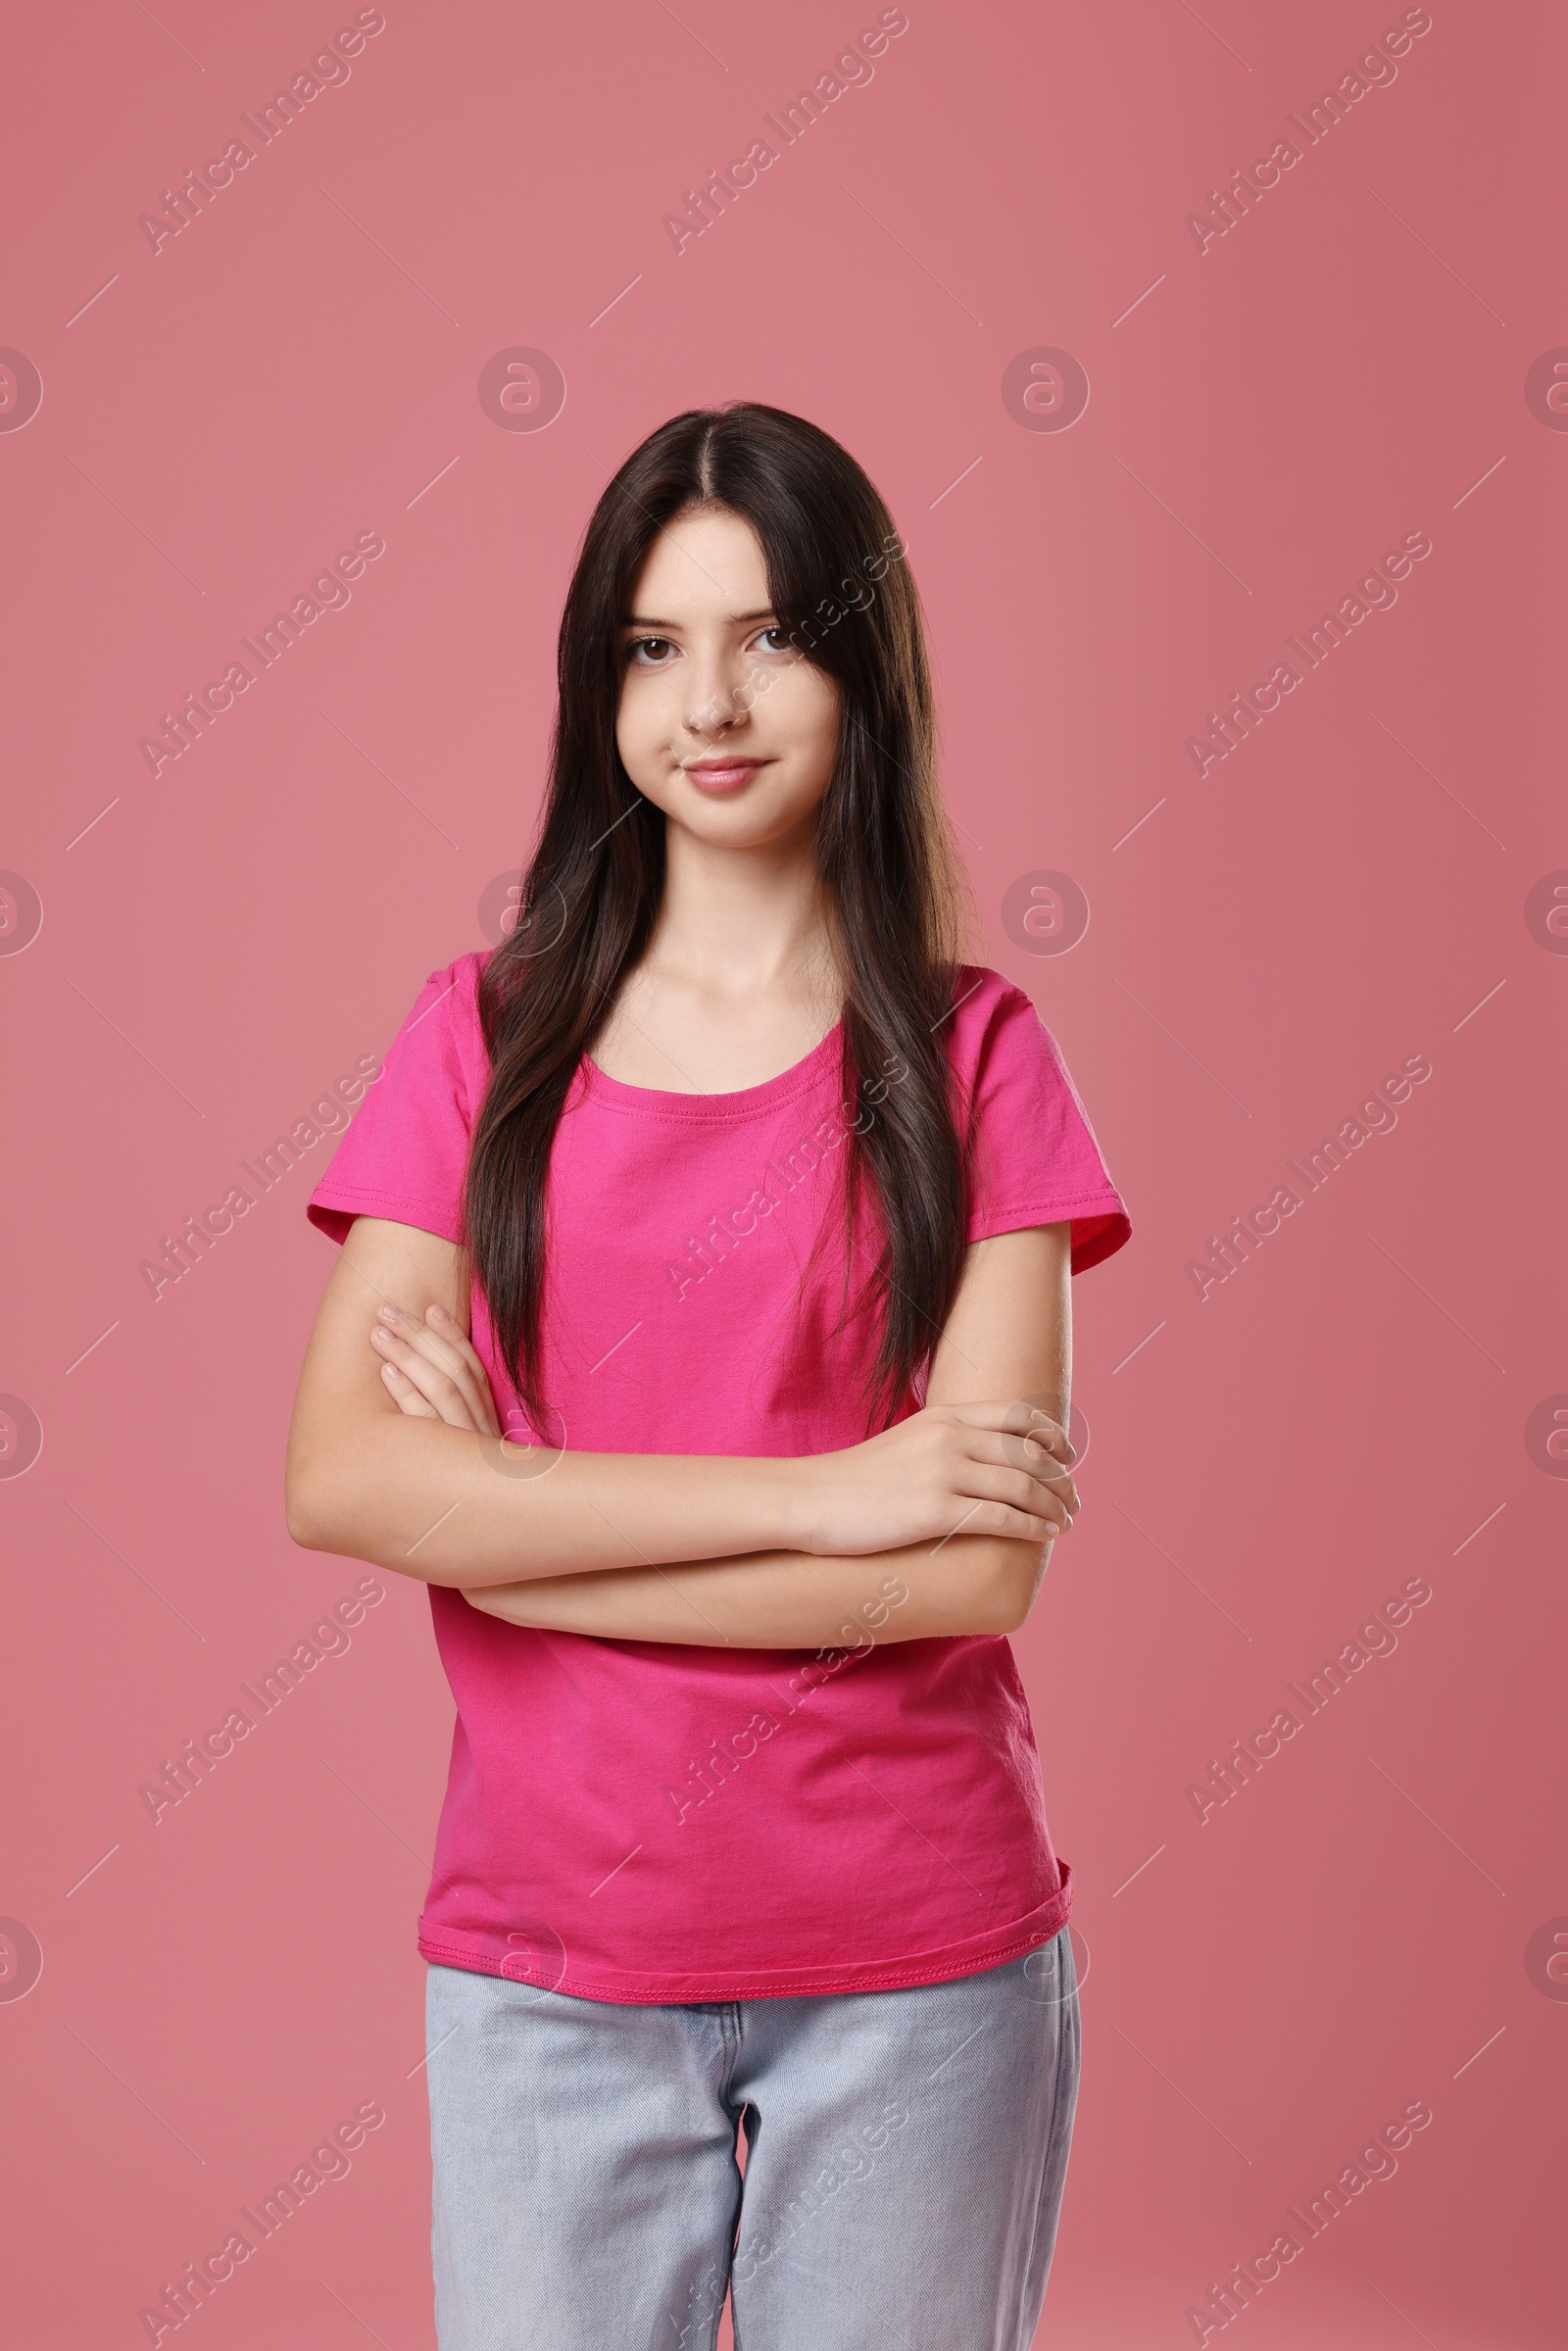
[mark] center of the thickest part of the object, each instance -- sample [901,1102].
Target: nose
[716,692]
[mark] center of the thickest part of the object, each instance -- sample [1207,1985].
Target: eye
[635,652]
[778,631]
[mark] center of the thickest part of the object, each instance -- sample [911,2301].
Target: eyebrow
[733,619]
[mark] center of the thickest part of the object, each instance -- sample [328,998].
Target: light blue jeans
[905,2158]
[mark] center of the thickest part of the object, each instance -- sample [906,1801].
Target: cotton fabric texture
[646,1822]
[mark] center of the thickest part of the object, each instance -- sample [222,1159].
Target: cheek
[646,723]
[810,718]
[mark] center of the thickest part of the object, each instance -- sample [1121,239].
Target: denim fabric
[905,2158]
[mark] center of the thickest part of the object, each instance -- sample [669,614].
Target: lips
[722,775]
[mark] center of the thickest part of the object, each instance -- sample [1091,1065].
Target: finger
[1019,1418]
[1022,1453]
[429,1342]
[432,1383]
[419,1340]
[408,1399]
[414,1378]
[453,1332]
[1028,1452]
[1000,1518]
[1045,1501]
[1014,1489]
[453,1349]
[1041,1427]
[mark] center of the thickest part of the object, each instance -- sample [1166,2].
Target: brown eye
[635,652]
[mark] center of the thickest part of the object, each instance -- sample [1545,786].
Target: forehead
[701,567]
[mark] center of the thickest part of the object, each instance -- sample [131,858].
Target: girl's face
[721,724]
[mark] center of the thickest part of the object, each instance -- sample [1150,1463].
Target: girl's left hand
[432,1372]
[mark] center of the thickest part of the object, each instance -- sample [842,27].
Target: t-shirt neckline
[736,1103]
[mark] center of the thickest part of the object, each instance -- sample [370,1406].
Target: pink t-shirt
[642,1820]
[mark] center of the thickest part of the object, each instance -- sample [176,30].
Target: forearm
[790,1599]
[450,1507]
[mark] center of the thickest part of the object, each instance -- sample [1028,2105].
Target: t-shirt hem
[476,1954]
[1111,1229]
[356,1200]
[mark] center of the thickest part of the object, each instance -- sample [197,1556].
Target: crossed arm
[939,1526]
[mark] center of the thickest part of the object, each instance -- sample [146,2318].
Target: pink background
[1265,420]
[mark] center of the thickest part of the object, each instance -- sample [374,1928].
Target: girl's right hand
[972,1469]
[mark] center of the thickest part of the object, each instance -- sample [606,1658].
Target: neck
[739,922]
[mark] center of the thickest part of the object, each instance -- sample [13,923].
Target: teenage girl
[763,1204]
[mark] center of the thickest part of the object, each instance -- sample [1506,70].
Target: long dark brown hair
[591,894]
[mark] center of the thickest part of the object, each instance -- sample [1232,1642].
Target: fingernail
[440,1314]
[389,1314]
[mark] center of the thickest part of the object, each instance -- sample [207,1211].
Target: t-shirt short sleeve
[406,1154]
[1035,1159]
